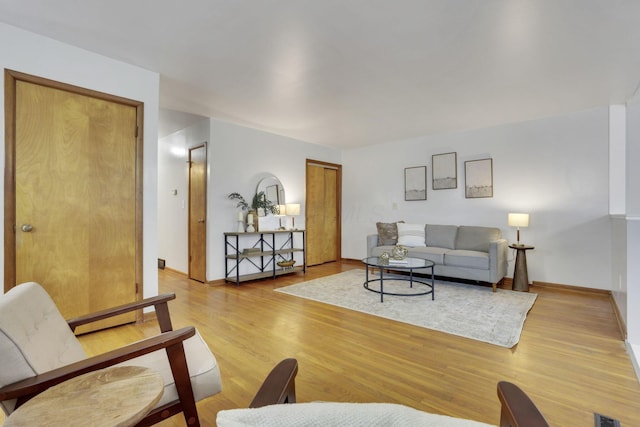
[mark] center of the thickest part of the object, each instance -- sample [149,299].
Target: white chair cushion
[327,414]
[34,337]
[203,369]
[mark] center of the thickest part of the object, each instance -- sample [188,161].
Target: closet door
[76,202]
[323,212]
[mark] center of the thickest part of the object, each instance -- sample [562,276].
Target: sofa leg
[495,285]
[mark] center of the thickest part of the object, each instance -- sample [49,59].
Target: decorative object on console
[250,227]
[292,210]
[478,176]
[518,220]
[259,201]
[415,183]
[445,171]
[240,222]
[286,263]
[282,211]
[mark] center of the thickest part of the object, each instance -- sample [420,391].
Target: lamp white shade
[293,209]
[518,220]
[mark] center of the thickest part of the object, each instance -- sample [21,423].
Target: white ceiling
[347,73]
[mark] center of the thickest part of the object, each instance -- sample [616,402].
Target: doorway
[73,186]
[323,207]
[198,213]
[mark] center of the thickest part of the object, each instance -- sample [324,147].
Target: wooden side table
[116,396]
[520,275]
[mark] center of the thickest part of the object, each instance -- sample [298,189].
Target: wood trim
[569,288]
[9,180]
[619,318]
[11,77]
[338,169]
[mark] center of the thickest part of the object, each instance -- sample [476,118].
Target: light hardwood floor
[571,358]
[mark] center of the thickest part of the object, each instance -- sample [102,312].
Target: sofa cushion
[387,233]
[468,259]
[429,253]
[441,236]
[476,238]
[411,234]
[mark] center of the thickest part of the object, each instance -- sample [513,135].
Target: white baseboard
[634,355]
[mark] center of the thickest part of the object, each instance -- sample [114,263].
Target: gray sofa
[463,252]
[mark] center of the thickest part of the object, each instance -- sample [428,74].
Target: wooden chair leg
[180,370]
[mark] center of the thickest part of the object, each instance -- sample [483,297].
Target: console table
[520,274]
[261,251]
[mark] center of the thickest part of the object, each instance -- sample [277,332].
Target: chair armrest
[518,410]
[279,386]
[29,387]
[160,303]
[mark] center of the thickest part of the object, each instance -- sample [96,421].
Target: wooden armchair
[38,350]
[517,410]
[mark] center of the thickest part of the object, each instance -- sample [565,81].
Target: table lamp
[293,209]
[518,220]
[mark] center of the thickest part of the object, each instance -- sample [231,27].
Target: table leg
[381,286]
[433,285]
[520,275]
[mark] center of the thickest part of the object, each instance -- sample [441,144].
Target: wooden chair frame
[168,339]
[517,410]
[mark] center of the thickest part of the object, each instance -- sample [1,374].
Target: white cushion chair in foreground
[38,349]
[267,409]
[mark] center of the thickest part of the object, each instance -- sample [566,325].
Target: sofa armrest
[372,242]
[497,259]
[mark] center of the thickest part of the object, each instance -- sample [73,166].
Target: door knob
[200,220]
[27,228]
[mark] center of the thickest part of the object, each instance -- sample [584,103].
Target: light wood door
[76,223]
[323,213]
[198,213]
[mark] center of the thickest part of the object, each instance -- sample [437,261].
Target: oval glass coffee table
[407,265]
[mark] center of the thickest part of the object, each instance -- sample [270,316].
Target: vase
[399,252]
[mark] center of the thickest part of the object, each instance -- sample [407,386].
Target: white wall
[173,209]
[633,229]
[556,169]
[32,54]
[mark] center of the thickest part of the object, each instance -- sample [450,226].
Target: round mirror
[272,189]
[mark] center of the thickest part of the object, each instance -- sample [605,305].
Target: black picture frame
[444,171]
[478,176]
[415,183]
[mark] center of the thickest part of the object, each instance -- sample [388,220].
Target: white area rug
[465,310]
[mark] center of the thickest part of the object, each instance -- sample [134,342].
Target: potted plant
[259,201]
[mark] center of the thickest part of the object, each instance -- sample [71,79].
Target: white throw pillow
[411,234]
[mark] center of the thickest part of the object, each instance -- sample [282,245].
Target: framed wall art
[415,183]
[445,171]
[478,176]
